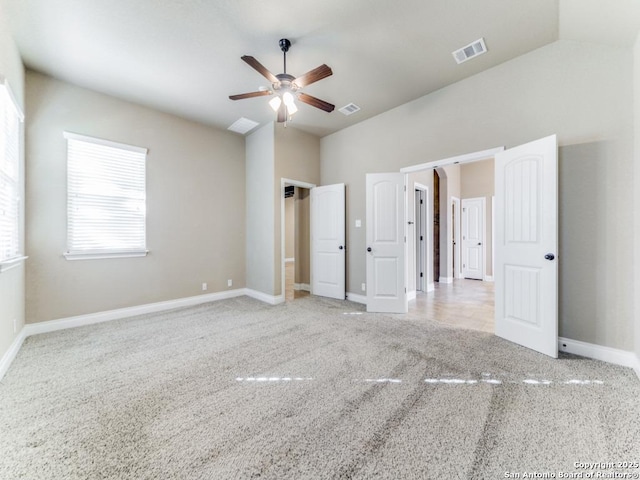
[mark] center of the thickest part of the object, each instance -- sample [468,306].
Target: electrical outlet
[229,283]
[364,287]
[204,286]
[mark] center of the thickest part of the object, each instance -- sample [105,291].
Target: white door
[526,245]
[473,238]
[327,241]
[420,240]
[386,280]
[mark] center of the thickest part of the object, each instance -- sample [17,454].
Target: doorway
[450,295]
[296,244]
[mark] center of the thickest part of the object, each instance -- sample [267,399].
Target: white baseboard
[264,297]
[411,295]
[289,260]
[10,355]
[99,317]
[488,278]
[302,286]
[598,352]
[446,279]
[354,297]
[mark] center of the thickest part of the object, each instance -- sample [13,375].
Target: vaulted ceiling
[183,56]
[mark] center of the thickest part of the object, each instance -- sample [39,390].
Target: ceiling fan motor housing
[285,82]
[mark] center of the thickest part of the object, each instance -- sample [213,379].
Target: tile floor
[463,303]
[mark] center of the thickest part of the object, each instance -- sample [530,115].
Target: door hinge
[421,238]
[421,274]
[405,289]
[421,202]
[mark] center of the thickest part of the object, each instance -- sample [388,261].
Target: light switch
[358,223]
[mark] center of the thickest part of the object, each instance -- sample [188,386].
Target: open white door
[526,245]
[327,241]
[386,282]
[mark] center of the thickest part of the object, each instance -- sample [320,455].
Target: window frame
[18,258]
[107,252]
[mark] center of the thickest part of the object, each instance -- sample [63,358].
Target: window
[106,199]
[10,179]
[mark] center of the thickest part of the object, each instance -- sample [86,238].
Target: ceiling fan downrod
[284,46]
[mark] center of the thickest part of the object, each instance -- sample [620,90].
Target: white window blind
[106,198]
[10,177]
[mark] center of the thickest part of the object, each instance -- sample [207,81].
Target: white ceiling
[183,56]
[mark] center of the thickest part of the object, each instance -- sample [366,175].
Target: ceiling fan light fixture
[287,98]
[289,101]
[275,103]
[291,108]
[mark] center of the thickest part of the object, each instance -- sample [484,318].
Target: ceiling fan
[287,87]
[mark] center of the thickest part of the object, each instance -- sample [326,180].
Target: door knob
[479,243]
[368,249]
[549,256]
[340,247]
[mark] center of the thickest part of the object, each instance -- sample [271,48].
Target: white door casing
[328,241]
[526,245]
[473,213]
[456,224]
[386,243]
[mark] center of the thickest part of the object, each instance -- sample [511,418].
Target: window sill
[102,255]
[12,263]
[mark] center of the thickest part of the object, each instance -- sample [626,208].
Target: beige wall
[12,282]
[195,205]
[297,157]
[580,91]
[477,180]
[273,153]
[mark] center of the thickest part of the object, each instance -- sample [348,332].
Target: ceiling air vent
[472,50]
[349,109]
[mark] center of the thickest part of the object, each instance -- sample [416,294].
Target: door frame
[296,183]
[459,159]
[425,255]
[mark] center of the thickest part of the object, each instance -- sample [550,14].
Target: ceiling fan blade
[312,76]
[316,102]
[260,93]
[282,113]
[256,65]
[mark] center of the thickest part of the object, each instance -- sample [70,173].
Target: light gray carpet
[311,389]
